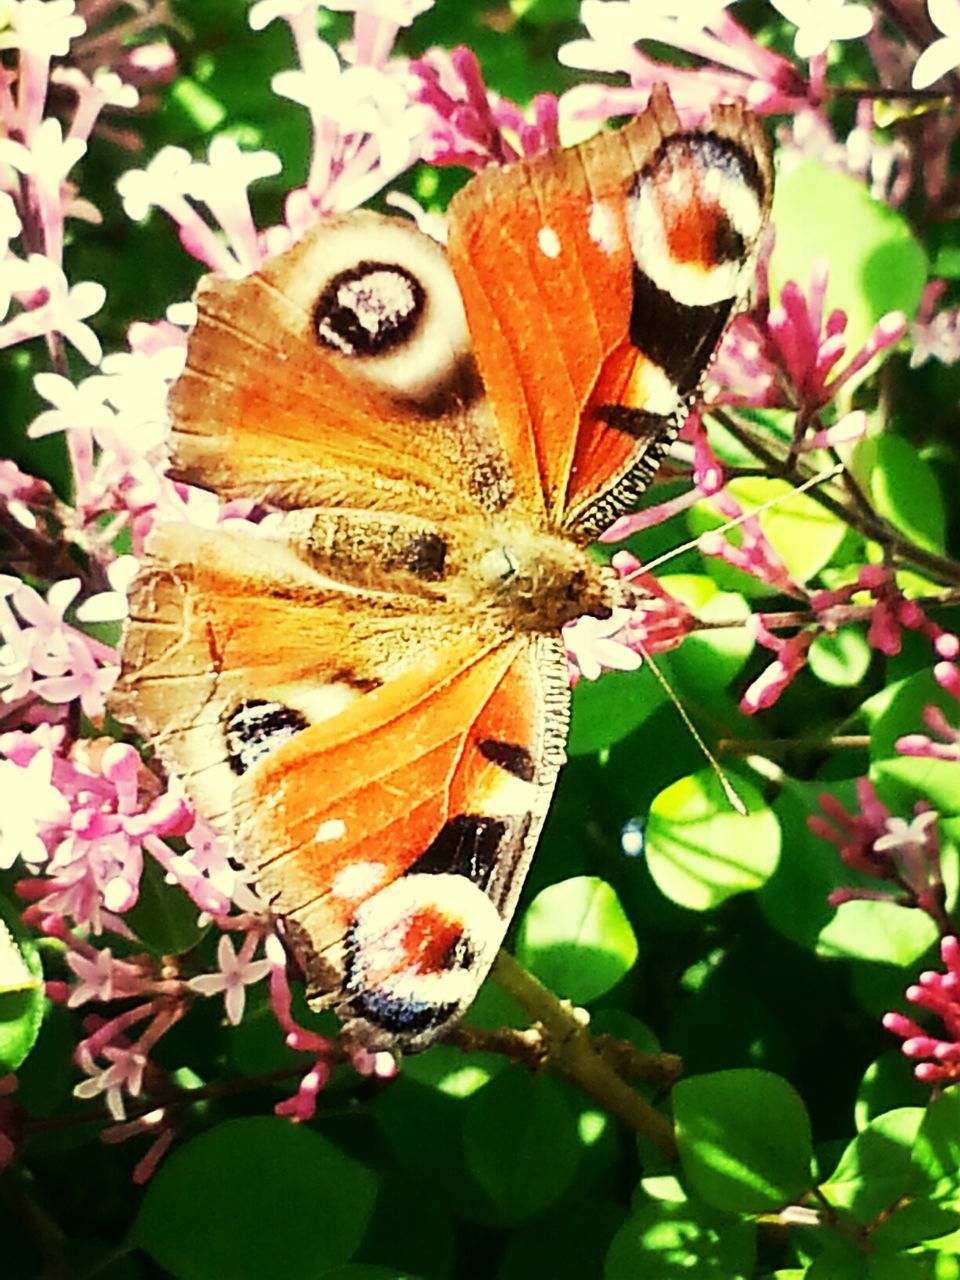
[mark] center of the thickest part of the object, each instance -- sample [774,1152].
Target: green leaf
[608,709]
[876,265]
[672,1241]
[906,779]
[937,1149]
[252,1198]
[845,1259]
[744,1139]
[709,660]
[841,659]
[876,1169]
[902,488]
[163,917]
[887,1083]
[699,851]
[879,931]
[521,1142]
[794,899]
[21,990]
[577,939]
[570,1244]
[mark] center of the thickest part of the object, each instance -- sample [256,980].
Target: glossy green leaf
[709,660]
[744,1139]
[521,1142]
[700,851]
[577,939]
[883,931]
[21,990]
[840,659]
[164,918]
[252,1198]
[794,898]
[607,710]
[937,1148]
[876,1169]
[876,265]
[902,488]
[672,1241]
[907,779]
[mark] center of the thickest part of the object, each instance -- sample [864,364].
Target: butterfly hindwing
[383,770]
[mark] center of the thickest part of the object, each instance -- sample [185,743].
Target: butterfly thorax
[506,569]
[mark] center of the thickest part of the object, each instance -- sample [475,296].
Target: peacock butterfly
[373,699]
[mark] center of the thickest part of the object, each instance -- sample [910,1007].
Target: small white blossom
[944,54]
[45,27]
[236,971]
[819,22]
[593,645]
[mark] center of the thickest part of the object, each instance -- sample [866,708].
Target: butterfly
[372,699]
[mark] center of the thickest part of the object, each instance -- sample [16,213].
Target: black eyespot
[369,309]
[255,728]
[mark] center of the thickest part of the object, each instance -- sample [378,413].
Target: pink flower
[733,64]
[905,854]
[940,993]
[94,847]
[303,1104]
[236,973]
[48,657]
[470,124]
[790,660]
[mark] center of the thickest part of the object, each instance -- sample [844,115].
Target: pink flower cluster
[937,1058]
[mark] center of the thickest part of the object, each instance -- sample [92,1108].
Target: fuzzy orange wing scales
[541,255]
[370,787]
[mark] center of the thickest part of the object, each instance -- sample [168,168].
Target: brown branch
[570,1051]
[864,519]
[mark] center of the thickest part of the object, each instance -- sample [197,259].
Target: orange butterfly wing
[372,696]
[597,282]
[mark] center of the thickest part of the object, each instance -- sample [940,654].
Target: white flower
[29,802]
[264,11]
[235,973]
[140,189]
[227,168]
[111,606]
[818,22]
[593,645]
[49,156]
[900,832]
[45,27]
[943,55]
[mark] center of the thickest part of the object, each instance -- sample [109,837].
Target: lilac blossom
[235,973]
[937,1057]
[943,55]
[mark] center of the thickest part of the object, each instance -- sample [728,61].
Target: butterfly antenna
[819,478]
[728,789]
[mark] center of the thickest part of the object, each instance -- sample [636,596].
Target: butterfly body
[370,694]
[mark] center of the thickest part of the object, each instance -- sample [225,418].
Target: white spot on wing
[602,227]
[358,880]
[332,829]
[549,242]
